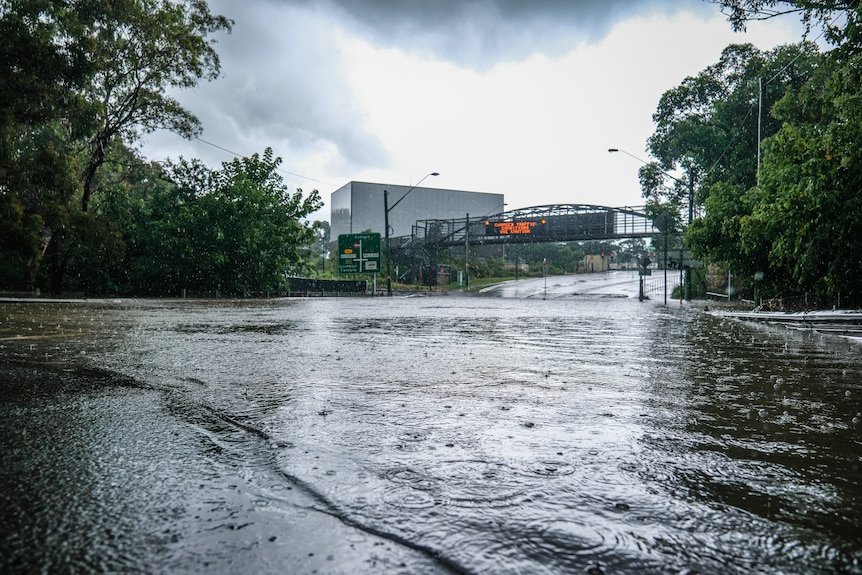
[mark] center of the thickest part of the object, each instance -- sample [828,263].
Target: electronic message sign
[358,253]
[566,227]
[515,228]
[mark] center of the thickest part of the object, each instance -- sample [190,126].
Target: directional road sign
[358,253]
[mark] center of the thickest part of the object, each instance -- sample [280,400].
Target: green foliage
[841,20]
[19,242]
[96,255]
[708,125]
[717,237]
[43,66]
[808,201]
[78,80]
[139,50]
[629,250]
[38,183]
[318,249]
[797,221]
[236,231]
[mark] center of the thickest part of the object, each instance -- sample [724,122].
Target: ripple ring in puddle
[411,478]
[549,469]
[412,441]
[546,547]
[408,498]
[463,483]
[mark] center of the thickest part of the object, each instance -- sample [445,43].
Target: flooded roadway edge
[44,379]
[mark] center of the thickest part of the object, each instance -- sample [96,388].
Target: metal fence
[306,287]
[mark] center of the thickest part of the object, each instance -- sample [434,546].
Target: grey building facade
[358,207]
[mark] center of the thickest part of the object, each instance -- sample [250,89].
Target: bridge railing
[564,222]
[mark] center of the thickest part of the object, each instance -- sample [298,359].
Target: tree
[841,20]
[710,126]
[629,250]
[808,202]
[234,231]
[320,248]
[43,68]
[38,183]
[44,65]
[77,79]
[802,214]
[141,48]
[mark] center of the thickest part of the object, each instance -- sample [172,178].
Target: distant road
[607,284]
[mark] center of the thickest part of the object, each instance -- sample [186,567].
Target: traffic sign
[358,253]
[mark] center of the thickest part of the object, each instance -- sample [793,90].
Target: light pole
[663,221]
[690,185]
[386,210]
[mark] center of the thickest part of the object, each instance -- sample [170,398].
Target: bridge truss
[550,223]
[420,251]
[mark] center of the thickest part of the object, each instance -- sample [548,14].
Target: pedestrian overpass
[420,251]
[550,223]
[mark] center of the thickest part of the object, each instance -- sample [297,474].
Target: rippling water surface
[431,434]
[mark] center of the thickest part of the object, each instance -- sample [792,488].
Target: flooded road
[514,431]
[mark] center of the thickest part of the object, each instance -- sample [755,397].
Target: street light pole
[467,252]
[687,282]
[386,210]
[388,249]
[690,185]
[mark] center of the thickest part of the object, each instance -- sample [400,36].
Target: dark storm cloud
[284,82]
[480,33]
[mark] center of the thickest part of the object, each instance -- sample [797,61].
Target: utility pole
[388,249]
[386,210]
[687,278]
[467,252]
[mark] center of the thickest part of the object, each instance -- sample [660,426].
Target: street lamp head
[612,150]
[435,173]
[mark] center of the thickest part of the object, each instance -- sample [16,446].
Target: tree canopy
[80,82]
[840,20]
[769,141]
[235,231]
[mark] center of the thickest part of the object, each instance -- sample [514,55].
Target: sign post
[545,274]
[643,270]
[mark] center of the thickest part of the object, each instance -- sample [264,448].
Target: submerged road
[610,284]
[523,433]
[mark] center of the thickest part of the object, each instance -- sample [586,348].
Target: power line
[238,155]
[789,64]
[759,104]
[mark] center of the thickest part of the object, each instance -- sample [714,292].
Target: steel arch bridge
[549,223]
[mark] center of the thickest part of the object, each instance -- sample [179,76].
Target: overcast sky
[515,97]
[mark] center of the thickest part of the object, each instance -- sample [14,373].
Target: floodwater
[573,430]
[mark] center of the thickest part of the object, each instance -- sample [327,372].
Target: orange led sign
[520,228]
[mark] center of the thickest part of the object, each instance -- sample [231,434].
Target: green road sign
[358,253]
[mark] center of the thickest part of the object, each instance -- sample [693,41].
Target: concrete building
[358,207]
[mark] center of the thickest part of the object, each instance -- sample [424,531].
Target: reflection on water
[436,434]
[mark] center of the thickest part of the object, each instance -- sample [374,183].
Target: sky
[517,97]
